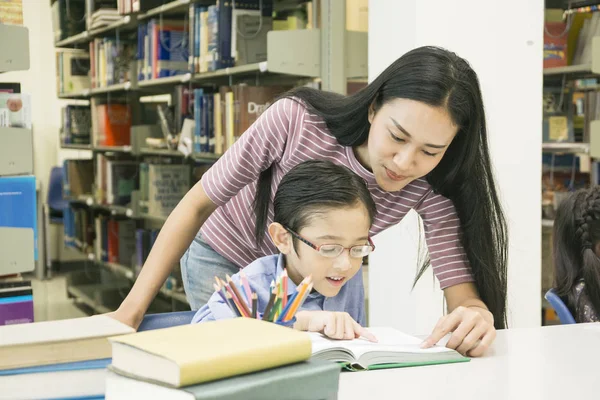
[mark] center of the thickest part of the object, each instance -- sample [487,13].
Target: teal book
[393,349]
[301,381]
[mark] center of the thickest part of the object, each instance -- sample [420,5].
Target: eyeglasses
[334,250]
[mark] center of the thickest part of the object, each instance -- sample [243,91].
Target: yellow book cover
[229,120]
[217,125]
[198,353]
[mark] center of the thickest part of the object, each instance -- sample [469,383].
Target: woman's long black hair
[576,234]
[439,78]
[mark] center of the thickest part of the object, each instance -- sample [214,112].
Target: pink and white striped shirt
[285,135]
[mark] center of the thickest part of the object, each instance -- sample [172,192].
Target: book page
[389,340]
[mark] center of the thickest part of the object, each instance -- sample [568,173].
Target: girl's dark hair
[439,78]
[314,186]
[576,233]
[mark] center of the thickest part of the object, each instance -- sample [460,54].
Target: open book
[394,349]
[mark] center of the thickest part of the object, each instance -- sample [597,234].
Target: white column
[504,46]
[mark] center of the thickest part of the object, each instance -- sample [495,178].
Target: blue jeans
[199,266]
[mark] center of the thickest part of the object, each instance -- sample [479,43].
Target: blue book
[141,53]
[18,205]
[170,43]
[83,379]
[198,94]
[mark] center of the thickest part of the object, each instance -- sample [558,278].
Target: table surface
[555,362]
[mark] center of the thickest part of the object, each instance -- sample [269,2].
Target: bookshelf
[322,55]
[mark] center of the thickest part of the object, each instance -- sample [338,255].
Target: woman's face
[406,141]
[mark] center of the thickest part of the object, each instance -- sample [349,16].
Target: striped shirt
[287,134]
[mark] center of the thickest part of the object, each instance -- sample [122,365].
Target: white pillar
[504,46]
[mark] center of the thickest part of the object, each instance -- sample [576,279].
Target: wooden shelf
[82,37]
[174,7]
[146,151]
[112,149]
[70,146]
[164,82]
[205,157]
[127,23]
[120,87]
[577,148]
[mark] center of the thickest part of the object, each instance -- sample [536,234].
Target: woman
[416,134]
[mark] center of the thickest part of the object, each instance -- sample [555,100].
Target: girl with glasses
[321,219]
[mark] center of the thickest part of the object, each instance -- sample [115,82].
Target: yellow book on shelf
[217,125]
[229,120]
[198,353]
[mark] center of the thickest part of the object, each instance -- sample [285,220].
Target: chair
[53,210]
[166,320]
[56,202]
[564,315]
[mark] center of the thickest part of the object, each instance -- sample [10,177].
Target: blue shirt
[351,297]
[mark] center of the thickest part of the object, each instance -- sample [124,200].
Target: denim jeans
[199,266]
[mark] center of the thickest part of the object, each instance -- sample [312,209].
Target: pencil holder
[289,324]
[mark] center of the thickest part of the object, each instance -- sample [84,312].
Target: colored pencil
[284,285]
[231,284]
[270,303]
[246,286]
[254,304]
[275,310]
[233,307]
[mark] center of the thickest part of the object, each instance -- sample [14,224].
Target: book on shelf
[162,49]
[15,110]
[76,123]
[72,71]
[10,87]
[18,205]
[555,44]
[111,61]
[167,184]
[394,349]
[16,303]
[111,123]
[78,177]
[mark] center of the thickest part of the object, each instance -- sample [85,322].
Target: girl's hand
[336,325]
[472,331]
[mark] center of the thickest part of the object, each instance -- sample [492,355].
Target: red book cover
[555,44]
[113,241]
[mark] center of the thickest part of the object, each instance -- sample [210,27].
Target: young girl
[416,134]
[322,214]
[577,252]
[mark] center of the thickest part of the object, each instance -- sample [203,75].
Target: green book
[307,380]
[393,349]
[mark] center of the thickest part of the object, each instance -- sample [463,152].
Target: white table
[559,362]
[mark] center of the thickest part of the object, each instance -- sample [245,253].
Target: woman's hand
[472,331]
[336,325]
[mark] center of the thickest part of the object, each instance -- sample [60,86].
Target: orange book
[114,124]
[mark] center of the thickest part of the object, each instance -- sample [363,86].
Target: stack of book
[214,361]
[57,359]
